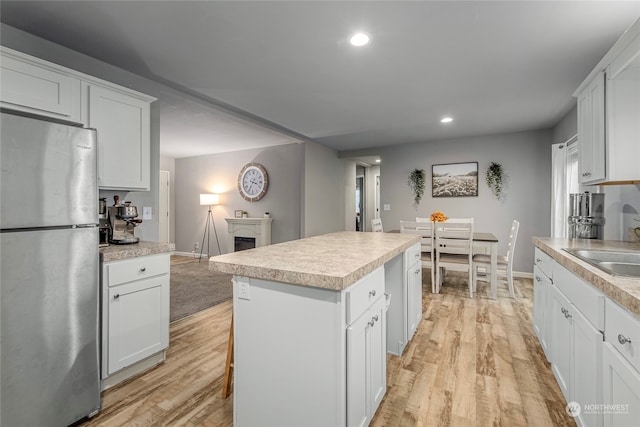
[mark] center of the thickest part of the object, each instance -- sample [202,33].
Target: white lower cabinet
[587,369]
[621,400]
[403,281]
[621,367]
[541,308]
[561,341]
[569,322]
[366,364]
[135,311]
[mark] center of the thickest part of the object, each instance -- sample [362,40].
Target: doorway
[360,205]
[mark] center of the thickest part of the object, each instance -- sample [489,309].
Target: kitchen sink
[611,262]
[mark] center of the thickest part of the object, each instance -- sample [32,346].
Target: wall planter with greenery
[417,184]
[496,179]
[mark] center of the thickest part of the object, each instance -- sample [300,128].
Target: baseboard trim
[190,254]
[523,275]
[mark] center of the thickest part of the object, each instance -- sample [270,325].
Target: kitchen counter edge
[231,263]
[623,290]
[142,248]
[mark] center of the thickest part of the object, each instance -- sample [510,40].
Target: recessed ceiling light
[359,39]
[446,120]
[377,160]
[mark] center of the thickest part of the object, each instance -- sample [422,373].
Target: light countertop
[330,261]
[623,290]
[142,248]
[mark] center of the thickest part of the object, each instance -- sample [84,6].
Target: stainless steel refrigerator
[49,373]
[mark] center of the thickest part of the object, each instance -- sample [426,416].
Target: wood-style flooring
[472,362]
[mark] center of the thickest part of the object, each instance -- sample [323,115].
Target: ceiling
[494,66]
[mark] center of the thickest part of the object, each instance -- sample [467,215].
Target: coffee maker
[122,222]
[104,228]
[586,215]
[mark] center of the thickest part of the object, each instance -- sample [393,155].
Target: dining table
[485,243]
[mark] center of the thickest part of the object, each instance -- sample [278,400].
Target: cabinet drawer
[119,272]
[583,295]
[412,255]
[622,331]
[363,293]
[544,263]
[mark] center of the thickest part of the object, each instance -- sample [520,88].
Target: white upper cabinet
[591,118]
[609,115]
[123,127]
[35,86]
[120,115]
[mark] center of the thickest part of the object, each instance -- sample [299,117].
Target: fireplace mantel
[257,228]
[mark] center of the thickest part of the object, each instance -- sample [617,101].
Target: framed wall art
[237,213]
[454,180]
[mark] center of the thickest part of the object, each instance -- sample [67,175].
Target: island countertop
[623,290]
[330,261]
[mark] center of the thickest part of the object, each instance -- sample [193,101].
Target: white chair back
[511,246]
[455,236]
[376,225]
[424,229]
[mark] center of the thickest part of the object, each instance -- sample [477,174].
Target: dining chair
[454,249]
[376,225]
[425,230]
[505,263]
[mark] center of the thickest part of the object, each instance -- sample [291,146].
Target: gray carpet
[194,287]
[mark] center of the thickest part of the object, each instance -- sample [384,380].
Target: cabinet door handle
[375,318]
[372,293]
[623,340]
[538,278]
[116,296]
[563,311]
[143,269]
[418,271]
[538,260]
[371,323]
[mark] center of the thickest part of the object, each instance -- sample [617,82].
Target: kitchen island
[310,327]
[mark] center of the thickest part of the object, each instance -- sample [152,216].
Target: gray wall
[218,173]
[526,157]
[323,191]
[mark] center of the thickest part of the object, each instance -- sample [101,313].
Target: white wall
[323,205]
[525,156]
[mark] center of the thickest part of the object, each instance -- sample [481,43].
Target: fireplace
[243,243]
[248,233]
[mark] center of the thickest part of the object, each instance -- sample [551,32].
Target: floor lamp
[210,200]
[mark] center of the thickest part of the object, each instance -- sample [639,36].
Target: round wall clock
[253,182]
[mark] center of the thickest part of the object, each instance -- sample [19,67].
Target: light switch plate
[147,212]
[387,207]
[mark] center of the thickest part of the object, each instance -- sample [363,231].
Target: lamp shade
[209,199]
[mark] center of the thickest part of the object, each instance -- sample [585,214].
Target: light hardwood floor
[471,362]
